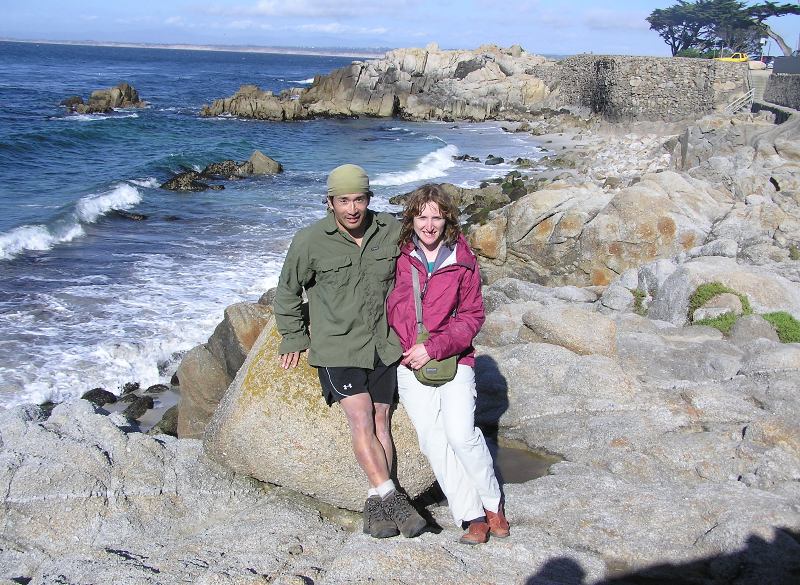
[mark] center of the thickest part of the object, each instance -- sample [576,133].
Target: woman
[452,312]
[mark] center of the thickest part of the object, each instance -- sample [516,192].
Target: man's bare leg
[368,450]
[383,430]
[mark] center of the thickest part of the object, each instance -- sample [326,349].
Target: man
[345,262]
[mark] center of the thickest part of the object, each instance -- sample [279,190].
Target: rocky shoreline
[632,285]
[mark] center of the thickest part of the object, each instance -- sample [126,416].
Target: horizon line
[313,51]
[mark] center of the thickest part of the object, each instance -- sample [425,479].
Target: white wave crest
[149,182]
[26,237]
[123,196]
[41,237]
[431,166]
[309,80]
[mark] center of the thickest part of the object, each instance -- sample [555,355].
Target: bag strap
[417,299]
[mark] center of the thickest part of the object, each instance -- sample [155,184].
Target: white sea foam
[94,117]
[123,196]
[432,165]
[138,330]
[309,80]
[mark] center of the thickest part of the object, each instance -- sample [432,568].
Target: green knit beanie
[346,180]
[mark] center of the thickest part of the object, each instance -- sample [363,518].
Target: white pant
[444,418]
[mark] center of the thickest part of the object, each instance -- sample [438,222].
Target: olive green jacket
[346,286]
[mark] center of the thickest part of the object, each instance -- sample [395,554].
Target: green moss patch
[794,252]
[638,301]
[723,322]
[788,327]
[706,292]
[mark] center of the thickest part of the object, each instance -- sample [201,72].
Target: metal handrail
[740,102]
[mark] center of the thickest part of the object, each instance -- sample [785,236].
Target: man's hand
[416,357]
[289,360]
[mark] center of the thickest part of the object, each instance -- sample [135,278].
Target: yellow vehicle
[735,58]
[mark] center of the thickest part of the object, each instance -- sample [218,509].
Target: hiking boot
[397,507]
[478,533]
[498,525]
[376,523]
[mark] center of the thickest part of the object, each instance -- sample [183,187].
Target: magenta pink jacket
[452,304]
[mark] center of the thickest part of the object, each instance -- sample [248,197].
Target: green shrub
[723,322]
[788,327]
[696,54]
[794,252]
[706,292]
[638,301]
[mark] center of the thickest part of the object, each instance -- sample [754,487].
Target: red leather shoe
[498,525]
[478,533]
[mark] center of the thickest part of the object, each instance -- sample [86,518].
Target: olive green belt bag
[435,372]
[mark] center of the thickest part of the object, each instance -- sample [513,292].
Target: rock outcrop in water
[103,101]
[257,164]
[422,84]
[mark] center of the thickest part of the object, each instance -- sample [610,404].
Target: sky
[552,27]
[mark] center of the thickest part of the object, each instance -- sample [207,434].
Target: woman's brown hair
[417,200]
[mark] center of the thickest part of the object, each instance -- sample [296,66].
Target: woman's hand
[416,357]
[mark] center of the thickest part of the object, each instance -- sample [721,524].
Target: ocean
[90,299]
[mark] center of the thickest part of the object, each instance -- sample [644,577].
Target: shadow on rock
[761,561]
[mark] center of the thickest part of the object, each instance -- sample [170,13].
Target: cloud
[339,28]
[615,20]
[312,8]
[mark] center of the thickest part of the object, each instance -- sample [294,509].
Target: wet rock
[168,425]
[129,387]
[493,160]
[157,389]
[138,407]
[71,101]
[130,215]
[99,396]
[188,181]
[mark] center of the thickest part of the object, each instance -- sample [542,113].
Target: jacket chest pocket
[382,262]
[333,272]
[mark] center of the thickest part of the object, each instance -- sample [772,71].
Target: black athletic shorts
[380,383]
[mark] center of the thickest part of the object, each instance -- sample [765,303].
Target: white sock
[385,488]
[372,492]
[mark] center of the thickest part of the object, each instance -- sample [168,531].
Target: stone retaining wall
[783,89]
[652,88]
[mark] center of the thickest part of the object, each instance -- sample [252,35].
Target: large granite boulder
[581,234]
[581,331]
[766,290]
[84,502]
[274,425]
[206,371]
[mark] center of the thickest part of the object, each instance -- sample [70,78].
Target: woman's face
[429,225]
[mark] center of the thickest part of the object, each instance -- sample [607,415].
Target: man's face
[349,210]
